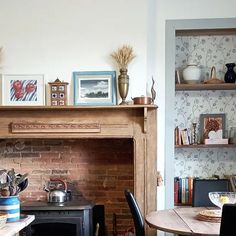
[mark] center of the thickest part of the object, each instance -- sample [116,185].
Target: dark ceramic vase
[230,75]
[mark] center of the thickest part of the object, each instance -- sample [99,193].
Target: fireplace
[75,218]
[118,139]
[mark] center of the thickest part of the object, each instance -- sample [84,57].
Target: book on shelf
[176,186]
[185,137]
[183,191]
[182,137]
[190,190]
[183,188]
[177,136]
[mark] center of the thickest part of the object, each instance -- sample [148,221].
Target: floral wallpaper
[207,51]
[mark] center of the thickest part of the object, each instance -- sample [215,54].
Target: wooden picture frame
[23,89]
[211,122]
[95,88]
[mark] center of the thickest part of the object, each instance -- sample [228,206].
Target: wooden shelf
[182,205]
[70,107]
[207,146]
[192,87]
[210,32]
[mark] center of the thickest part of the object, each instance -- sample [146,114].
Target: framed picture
[211,122]
[22,89]
[95,88]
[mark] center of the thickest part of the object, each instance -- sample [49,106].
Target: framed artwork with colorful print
[23,89]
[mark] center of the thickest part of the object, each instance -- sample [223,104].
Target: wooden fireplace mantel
[130,121]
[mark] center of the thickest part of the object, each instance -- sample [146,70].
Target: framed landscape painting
[22,89]
[94,88]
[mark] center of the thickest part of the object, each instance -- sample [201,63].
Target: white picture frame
[23,89]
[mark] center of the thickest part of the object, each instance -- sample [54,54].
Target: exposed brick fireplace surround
[99,151]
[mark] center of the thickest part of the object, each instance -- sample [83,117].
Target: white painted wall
[181,9]
[58,37]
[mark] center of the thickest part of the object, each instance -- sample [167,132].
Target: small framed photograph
[23,89]
[212,124]
[94,88]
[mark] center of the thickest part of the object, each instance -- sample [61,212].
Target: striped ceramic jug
[11,205]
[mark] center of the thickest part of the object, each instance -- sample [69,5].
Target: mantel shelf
[192,87]
[64,108]
[207,146]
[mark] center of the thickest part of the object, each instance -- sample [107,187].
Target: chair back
[227,226]
[201,188]
[136,214]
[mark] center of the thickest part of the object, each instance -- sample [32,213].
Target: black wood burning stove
[72,218]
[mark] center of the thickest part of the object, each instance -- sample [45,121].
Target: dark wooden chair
[201,188]
[227,227]
[136,214]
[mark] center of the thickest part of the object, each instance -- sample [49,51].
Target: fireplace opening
[98,169]
[58,228]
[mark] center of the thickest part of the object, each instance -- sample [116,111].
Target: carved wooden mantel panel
[25,127]
[132,121]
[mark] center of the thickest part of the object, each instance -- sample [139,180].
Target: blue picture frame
[95,88]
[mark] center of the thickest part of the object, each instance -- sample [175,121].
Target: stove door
[60,227]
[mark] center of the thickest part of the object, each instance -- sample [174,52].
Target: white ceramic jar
[192,74]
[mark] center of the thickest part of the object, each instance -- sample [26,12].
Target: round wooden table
[182,221]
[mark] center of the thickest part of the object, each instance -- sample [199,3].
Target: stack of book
[182,137]
[183,189]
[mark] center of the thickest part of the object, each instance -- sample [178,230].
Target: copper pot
[146,100]
[142,100]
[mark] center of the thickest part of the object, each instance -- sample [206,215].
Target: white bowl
[221,198]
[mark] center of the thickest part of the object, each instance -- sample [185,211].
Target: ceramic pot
[11,205]
[192,74]
[230,75]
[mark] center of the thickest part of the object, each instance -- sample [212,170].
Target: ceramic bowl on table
[221,198]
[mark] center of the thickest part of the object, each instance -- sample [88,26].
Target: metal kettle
[57,195]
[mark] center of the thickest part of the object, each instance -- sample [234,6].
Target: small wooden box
[58,93]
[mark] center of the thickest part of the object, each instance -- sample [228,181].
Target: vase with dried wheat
[123,56]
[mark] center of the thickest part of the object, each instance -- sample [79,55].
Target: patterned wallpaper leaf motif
[207,51]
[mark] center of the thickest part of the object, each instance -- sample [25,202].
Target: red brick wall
[100,169]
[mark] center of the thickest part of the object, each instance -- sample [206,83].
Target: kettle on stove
[57,195]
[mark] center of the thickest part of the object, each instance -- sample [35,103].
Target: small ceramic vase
[192,74]
[230,75]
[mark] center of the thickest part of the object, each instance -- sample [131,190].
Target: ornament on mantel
[123,56]
[58,93]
